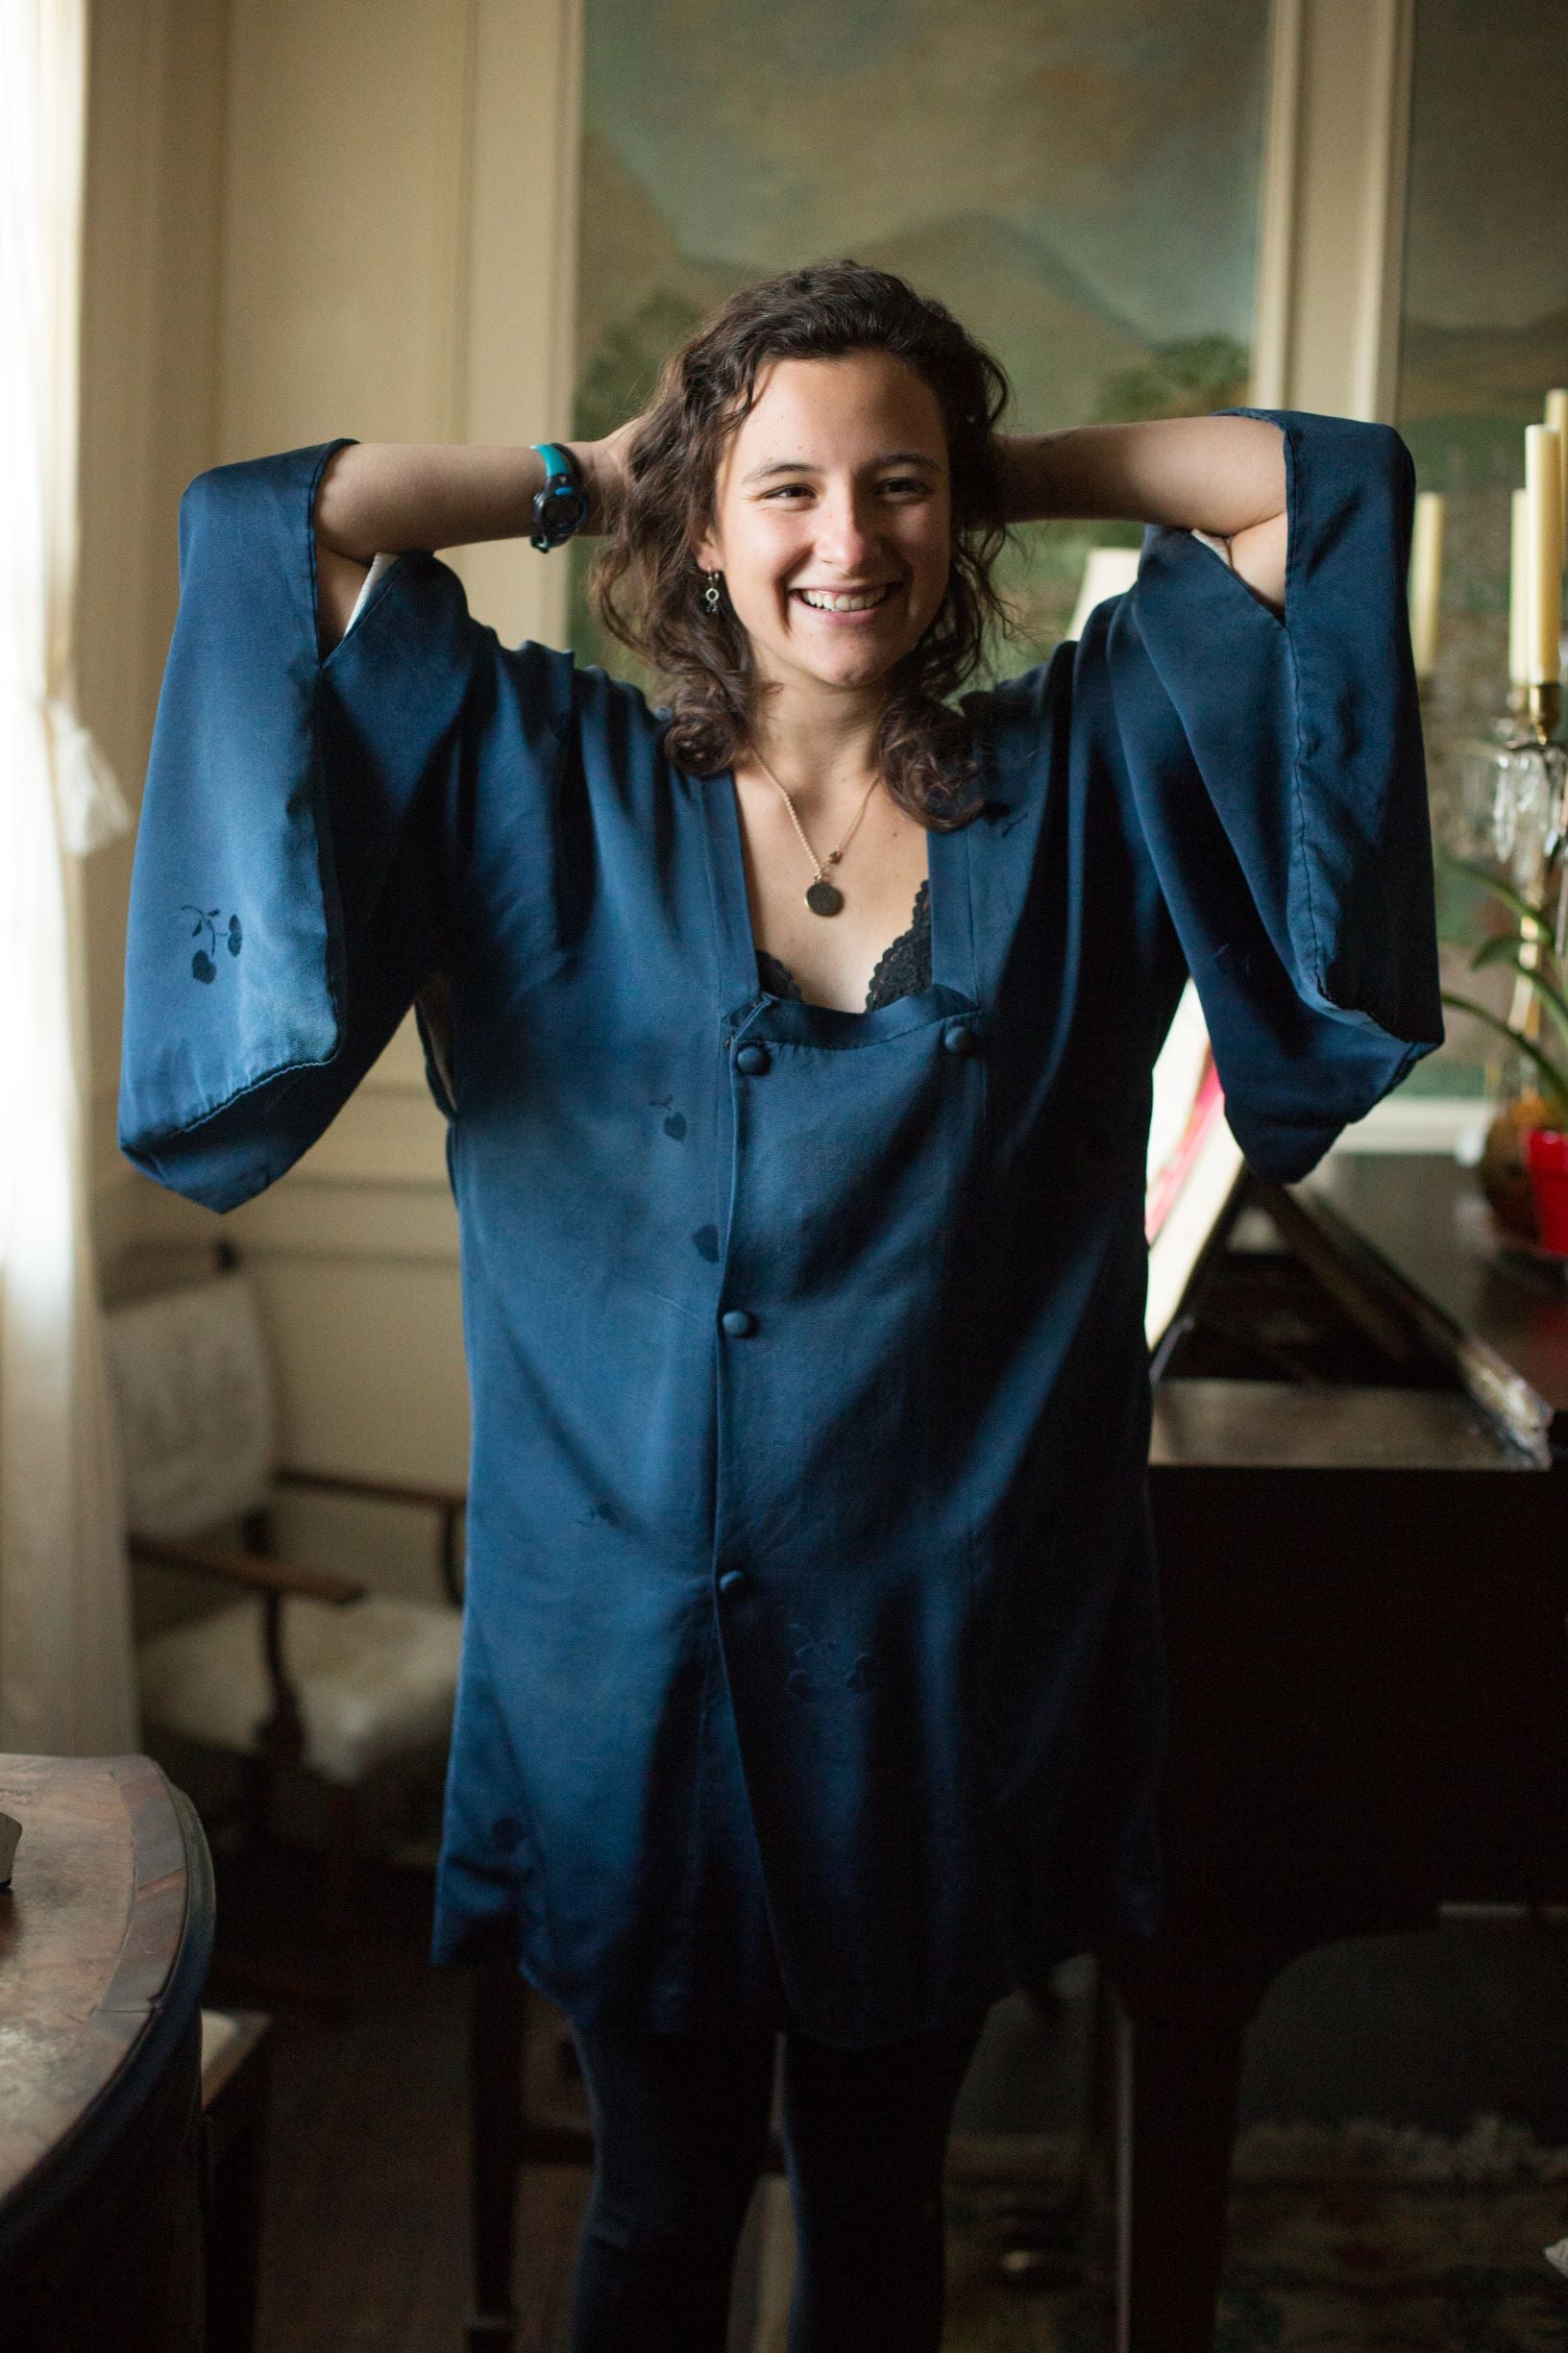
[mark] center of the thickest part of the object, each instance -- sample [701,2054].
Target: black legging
[680,2128]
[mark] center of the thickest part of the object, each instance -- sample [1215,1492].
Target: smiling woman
[828,441]
[836,561]
[811,1675]
[825,431]
[808,519]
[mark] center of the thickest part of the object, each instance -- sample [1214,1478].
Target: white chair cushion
[375,1680]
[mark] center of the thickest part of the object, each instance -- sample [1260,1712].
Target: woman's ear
[708,555]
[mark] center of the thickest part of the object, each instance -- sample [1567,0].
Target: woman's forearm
[1219,475]
[384,497]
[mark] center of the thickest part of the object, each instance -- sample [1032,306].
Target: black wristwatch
[562,508]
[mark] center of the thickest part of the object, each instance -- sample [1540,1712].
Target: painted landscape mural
[1484,335]
[1484,331]
[1076,179]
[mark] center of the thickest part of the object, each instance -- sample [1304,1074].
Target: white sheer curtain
[65,1667]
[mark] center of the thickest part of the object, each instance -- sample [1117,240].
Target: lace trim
[902,969]
[775,977]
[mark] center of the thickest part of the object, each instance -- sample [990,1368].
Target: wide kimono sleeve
[1278,782]
[297,831]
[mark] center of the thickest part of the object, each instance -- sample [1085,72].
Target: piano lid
[1297,1347]
[1405,1236]
[1416,1226]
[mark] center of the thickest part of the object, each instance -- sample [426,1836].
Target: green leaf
[1510,947]
[1512,952]
[1553,1080]
[1501,947]
[1514,900]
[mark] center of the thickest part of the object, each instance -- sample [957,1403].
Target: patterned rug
[1362,2240]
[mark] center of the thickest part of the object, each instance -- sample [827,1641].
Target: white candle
[1543,493]
[1557,416]
[1426,579]
[1519,592]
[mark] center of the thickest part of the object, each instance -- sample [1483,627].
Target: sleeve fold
[1279,780]
[288,890]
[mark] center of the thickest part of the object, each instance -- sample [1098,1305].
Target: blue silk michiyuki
[811,1653]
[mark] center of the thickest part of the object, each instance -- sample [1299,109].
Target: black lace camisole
[903,969]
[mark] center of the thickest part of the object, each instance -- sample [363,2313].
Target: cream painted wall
[270,264]
[306,221]
[149,268]
[398,269]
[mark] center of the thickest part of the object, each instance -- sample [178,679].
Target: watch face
[558,511]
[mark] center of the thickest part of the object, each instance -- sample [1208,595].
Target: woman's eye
[896,482]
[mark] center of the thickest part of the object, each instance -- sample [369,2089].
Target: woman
[796,1044]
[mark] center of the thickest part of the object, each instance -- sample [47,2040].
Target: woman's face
[833,518]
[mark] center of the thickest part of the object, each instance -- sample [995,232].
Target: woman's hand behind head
[604,466]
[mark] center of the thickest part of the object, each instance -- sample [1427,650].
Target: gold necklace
[822,897]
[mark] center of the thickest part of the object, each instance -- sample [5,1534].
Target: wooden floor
[366,2219]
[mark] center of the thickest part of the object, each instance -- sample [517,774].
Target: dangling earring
[710,594]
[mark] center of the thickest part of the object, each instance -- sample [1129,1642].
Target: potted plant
[1541,1003]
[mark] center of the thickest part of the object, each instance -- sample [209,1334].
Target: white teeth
[843,604]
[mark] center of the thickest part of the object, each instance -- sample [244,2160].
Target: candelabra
[1513,796]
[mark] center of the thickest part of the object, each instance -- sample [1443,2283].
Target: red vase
[1546,1156]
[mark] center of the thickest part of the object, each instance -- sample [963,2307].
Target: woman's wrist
[1028,492]
[603,464]
[1218,475]
[599,480]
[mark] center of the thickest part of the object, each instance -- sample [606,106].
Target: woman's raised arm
[381,498]
[1222,475]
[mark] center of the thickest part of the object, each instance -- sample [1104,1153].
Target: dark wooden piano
[1361,1410]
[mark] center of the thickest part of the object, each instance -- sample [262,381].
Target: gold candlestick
[1545,708]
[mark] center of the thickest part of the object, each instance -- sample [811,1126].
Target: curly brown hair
[648,590]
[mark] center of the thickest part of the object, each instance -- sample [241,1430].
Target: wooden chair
[307,1669]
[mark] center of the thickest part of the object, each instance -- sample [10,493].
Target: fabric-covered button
[752,1061]
[737,1323]
[959,1038]
[734,1582]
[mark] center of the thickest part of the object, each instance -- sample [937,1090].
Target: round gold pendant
[825,897]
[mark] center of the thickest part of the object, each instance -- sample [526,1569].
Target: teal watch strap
[562,508]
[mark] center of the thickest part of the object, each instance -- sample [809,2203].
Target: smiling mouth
[845,601]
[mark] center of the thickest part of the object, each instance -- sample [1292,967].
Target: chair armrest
[374,1490]
[257,1570]
[449,1503]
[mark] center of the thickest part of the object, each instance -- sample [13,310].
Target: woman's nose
[845,533]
